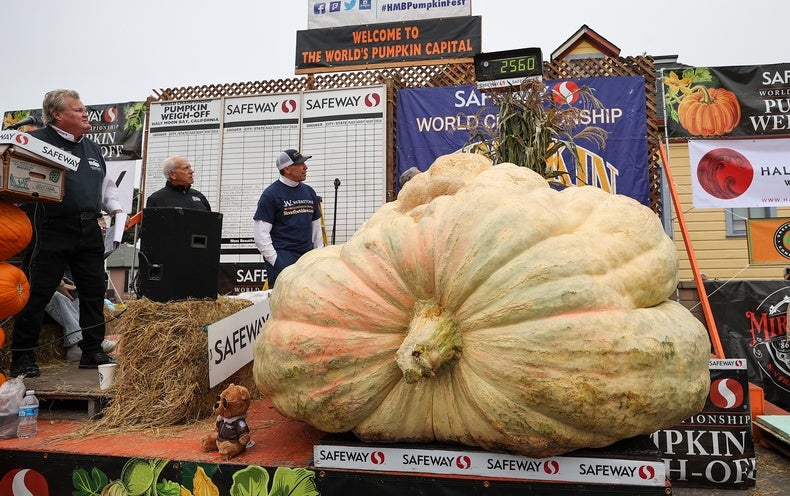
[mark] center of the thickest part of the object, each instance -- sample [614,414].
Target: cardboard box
[23,179]
[32,170]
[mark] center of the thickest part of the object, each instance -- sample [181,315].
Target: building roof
[122,257]
[588,35]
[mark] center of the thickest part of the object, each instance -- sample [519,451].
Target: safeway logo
[551,467]
[463,462]
[646,472]
[289,106]
[372,100]
[21,139]
[726,393]
[377,458]
[111,114]
[566,92]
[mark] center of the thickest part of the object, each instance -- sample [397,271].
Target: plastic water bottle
[28,416]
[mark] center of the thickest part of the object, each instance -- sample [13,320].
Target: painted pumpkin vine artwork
[702,108]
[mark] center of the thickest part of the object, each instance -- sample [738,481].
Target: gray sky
[117,51]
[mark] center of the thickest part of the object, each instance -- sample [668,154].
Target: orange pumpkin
[2,337]
[14,290]
[2,378]
[709,111]
[15,230]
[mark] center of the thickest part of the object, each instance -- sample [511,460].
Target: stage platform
[291,453]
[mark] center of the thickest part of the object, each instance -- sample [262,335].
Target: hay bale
[50,348]
[162,379]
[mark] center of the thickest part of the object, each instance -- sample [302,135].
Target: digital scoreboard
[508,68]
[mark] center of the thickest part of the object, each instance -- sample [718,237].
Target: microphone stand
[334,215]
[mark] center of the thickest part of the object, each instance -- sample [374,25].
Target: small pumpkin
[485,308]
[3,378]
[14,290]
[2,337]
[15,230]
[709,111]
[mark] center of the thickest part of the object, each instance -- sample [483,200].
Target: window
[736,218]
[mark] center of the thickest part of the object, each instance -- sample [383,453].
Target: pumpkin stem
[432,342]
[706,98]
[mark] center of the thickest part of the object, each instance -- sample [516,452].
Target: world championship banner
[714,448]
[727,101]
[751,319]
[436,121]
[332,13]
[349,47]
[769,240]
[116,127]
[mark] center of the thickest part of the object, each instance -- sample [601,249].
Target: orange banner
[769,240]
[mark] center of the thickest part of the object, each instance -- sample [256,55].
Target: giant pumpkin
[485,308]
[14,290]
[15,230]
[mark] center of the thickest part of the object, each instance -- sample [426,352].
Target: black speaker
[179,254]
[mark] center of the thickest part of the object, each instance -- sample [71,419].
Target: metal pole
[334,215]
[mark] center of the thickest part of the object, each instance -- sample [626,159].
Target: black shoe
[25,366]
[92,361]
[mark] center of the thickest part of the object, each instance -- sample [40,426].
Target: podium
[179,254]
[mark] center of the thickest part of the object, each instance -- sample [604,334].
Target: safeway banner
[751,319]
[714,447]
[328,14]
[116,127]
[727,101]
[347,47]
[740,173]
[435,121]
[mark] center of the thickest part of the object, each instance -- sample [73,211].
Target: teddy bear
[231,432]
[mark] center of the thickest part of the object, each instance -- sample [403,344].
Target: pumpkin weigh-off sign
[727,102]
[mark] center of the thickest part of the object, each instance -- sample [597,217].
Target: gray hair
[407,175]
[168,165]
[55,100]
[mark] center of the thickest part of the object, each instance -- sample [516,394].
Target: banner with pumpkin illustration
[727,101]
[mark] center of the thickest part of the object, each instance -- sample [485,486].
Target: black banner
[116,127]
[354,46]
[751,319]
[714,448]
[235,278]
[727,101]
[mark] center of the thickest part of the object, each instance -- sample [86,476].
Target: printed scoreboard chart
[233,143]
[344,131]
[256,129]
[190,129]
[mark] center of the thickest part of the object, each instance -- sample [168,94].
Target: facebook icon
[319,8]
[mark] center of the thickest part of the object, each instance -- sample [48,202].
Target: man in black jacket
[66,234]
[178,190]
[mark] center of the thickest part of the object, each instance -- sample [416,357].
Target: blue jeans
[285,258]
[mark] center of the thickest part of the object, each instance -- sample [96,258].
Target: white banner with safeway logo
[740,173]
[500,465]
[232,339]
[328,14]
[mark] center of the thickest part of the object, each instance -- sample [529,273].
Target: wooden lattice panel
[451,74]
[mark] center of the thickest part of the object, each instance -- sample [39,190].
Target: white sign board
[489,464]
[329,13]
[41,150]
[232,339]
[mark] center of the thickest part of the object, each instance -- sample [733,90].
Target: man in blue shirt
[288,218]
